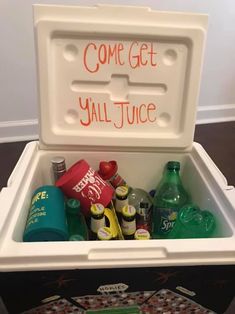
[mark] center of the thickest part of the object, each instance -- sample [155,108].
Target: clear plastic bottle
[142,202]
[169,198]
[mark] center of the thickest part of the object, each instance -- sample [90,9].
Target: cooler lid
[118,76]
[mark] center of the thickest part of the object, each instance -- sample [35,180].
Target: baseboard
[17,131]
[214,114]
[26,130]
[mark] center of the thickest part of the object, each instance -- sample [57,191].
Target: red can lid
[107,169]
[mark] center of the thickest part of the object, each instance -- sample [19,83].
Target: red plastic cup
[84,183]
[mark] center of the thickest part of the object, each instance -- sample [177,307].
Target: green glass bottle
[170,196]
[77,226]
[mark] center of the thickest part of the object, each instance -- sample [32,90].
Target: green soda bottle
[77,226]
[170,196]
[192,222]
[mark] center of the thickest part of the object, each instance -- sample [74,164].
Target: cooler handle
[127,254]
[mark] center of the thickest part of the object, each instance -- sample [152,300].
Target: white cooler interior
[200,176]
[143,170]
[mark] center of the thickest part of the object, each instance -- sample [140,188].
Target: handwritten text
[126,114]
[134,55]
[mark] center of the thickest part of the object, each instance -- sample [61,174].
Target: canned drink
[58,167]
[83,183]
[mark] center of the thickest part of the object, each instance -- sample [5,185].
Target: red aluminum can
[84,183]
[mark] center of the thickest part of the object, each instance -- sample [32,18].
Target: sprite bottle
[170,196]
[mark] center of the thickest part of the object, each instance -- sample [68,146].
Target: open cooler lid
[118,76]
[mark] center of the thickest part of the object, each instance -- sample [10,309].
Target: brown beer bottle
[121,200]
[97,220]
[128,224]
[104,234]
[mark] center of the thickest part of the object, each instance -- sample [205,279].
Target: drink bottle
[170,196]
[77,226]
[97,219]
[142,202]
[192,222]
[121,194]
[104,234]
[128,224]
[108,172]
[142,234]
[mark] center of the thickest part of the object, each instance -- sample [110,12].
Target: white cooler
[117,83]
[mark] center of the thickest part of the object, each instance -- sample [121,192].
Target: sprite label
[167,220]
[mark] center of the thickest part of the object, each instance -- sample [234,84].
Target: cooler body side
[15,183]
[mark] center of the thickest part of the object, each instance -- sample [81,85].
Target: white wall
[18,95]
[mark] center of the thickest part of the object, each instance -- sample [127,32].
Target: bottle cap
[104,233]
[173,165]
[76,237]
[152,193]
[142,234]
[73,206]
[128,211]
[144,205]
[58,163]
[121,191]
[107,169]
[97,209]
